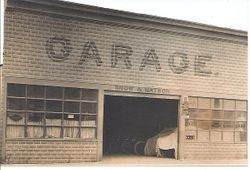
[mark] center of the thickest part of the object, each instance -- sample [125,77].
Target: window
[216,120]
[35,111]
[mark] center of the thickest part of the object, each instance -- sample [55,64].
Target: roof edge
[128,15]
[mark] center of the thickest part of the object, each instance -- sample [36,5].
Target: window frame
[80,127]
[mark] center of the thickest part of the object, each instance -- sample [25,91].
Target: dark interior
[135,119]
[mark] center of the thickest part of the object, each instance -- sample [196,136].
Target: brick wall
[26,34]
[215,151]
[50,151]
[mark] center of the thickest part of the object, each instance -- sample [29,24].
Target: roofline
[72,9]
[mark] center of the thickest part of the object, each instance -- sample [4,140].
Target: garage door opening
[139,125]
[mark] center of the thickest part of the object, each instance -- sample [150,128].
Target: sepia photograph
[124,83]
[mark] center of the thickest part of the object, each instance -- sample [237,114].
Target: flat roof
[100,14]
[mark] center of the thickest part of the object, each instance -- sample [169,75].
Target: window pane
[229,104]
[35,132]
[204,114]
[229,115]
[88,133]
[54,92]
[216,125]
[71,120]
[191,135]
[55,106]
[35,119]
[35,91]
[241,115]
[53,119]
[89,94]
[228,136]
[15,132]
[203,136]
[71,133]
[72,107]
[215,136]
[89,108]
[71,93]
[204,103]
[240,126]
[16,90]
[240,136]
[217,114]
[15,118]
[53,132]
[216,103]
[228,126]
[190,124]
[241,105]
[203,125]
[192,102]
[35,105]
[87,120]
[16,104]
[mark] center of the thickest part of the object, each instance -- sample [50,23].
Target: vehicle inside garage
[129,123]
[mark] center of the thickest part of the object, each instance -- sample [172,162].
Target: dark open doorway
[130,121]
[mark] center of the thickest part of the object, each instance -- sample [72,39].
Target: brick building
[76,78]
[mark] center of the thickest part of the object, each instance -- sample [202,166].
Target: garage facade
[63,61]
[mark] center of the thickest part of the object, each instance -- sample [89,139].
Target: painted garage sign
[178,62]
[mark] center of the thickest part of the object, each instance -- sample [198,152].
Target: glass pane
[16,104]
[193,113]
[15,118]
[215,136]
[88,133]
[204,103]
[72,107]
[89,94]
[55,106]
[241,105]
[229,115]
[35,132]
[87,120]
[241,115]
[192,102]
[190,124]
[203,136]
[16,90]
[216,125]
[229,104]
[228,136]
[203,125]
[228,126]
[240,126]
[36,105]
[53,119]
[35,119]
[71,120]
[53,132]
[217,114]
[89,108]
[54,92]
[217,103]
[205,114]
[72,93]
[35,91]
[190,135]
[71,133]
[15,132]
[240,136]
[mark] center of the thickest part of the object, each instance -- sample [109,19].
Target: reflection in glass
[16,104]
[36,105]
[72,93]
[35,91]
[89,94]
[16,90]
[54,92]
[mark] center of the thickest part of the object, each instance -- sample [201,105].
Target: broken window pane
[35,118]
